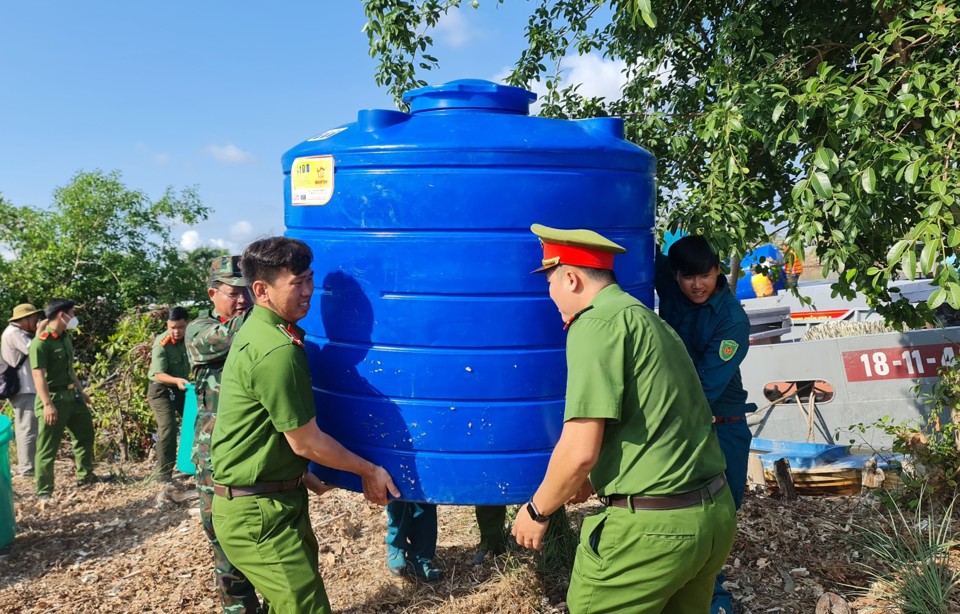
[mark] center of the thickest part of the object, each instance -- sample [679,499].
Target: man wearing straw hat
[15,351]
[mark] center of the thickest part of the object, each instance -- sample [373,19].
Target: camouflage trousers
[237,594]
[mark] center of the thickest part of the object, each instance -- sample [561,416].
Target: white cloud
[190,240]
[230,153]
[241,231]
[453,30]
[159,158]
[596,76]
[240,234]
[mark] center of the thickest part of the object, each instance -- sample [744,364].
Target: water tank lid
[470,94]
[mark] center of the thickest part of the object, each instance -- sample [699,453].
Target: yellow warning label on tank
[311,180]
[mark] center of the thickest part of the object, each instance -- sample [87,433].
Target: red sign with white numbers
[911,362]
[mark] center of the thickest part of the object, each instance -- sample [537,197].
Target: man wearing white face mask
[60,400]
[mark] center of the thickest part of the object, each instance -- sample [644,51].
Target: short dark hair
[692,255]
[177,314]
[56,306]
[599,275]
[265,259]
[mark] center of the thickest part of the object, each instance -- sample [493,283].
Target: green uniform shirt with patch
[265,391]
[170,358]
[626,365]
[53,352]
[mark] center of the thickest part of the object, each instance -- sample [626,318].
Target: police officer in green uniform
[696,301]
[60,399]
[208,341]
[266,432]
[169,375]
[642,434]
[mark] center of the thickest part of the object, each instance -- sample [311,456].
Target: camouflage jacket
[208,343]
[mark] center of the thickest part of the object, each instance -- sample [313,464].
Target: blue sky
[209,94]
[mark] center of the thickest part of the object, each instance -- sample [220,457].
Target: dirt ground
[116,548]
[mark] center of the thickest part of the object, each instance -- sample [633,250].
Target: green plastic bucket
[8,519]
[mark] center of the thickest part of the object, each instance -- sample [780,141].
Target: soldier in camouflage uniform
[209,337]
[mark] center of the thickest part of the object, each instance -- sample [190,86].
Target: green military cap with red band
[579,247]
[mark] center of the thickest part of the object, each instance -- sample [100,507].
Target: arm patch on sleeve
[728,348]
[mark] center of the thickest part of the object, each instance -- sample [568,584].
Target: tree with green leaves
[102,244]
[832,122]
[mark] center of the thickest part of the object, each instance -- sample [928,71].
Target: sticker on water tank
[311,180]
[328,134]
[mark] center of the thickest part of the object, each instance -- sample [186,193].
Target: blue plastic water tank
[434,352]
[769,252]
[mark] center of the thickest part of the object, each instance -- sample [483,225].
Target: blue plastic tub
[8,518]
[818,455]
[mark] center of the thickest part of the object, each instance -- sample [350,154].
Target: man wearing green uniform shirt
[208,342]
[168,375]
[60,400]
[266,433]
[642,434]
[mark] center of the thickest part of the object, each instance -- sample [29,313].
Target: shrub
[910,557]
[117,384]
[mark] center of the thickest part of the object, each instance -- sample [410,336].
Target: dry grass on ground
[110,548]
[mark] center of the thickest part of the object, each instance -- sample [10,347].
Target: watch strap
[535,513]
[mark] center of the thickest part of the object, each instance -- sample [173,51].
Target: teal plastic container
[8,519]
[187,430]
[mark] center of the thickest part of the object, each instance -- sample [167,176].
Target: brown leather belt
[722,419]
[667,502]
[260,488]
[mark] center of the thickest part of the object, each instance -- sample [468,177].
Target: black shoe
[478,557]
[94,479]
[481,555]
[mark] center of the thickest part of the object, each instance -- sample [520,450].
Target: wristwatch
[535,513]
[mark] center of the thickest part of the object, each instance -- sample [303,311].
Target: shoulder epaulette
[574,317]
[167,339]
[289,331]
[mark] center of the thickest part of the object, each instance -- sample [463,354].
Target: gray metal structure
[871,377]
